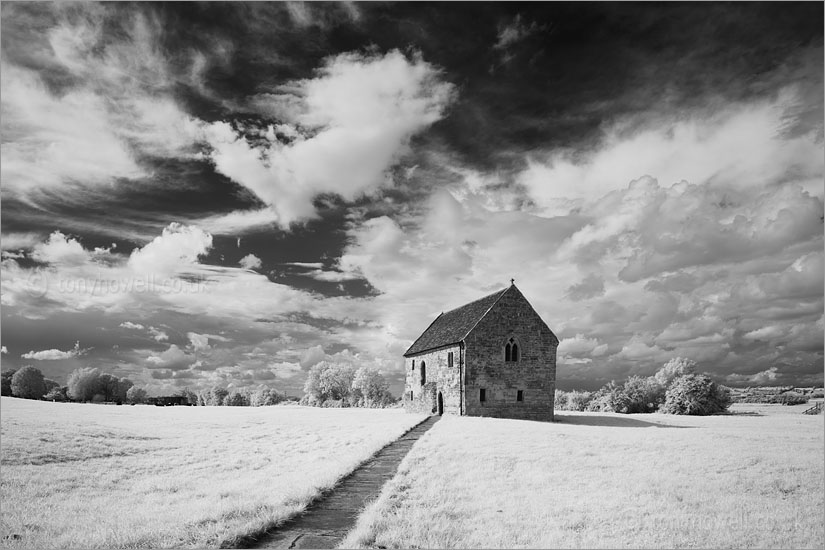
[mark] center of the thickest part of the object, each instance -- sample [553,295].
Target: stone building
[492,357]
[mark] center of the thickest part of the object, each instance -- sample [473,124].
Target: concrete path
[326,521]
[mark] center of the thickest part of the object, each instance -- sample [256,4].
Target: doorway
[440,404]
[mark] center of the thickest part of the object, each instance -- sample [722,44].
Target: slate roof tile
[453,326]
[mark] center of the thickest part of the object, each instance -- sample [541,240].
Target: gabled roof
[452,327]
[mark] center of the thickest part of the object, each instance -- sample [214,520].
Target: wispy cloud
[114,107]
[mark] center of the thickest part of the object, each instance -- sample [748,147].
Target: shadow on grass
[741,413]
[596,419]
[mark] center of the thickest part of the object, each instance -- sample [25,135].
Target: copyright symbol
[38,284]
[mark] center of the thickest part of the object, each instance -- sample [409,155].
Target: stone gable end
[522,388]
[534,373]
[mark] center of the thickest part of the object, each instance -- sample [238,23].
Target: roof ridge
[500,294]
[420,336]
[453,326]
[486,296]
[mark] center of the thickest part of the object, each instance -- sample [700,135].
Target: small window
[482,395]
[413,364]
[511,350]
[450,360]
[423,373]
[411,395]
[520,395]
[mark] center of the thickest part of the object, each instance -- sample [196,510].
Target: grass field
[752,479]
[91,476]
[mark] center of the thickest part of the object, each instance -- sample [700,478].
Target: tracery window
[511,350]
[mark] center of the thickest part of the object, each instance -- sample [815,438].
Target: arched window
[511,351]
[423,373]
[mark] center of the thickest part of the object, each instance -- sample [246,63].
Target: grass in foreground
[600,480]
[91,476]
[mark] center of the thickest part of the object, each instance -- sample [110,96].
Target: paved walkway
[325,522]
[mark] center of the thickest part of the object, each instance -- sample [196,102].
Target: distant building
[167,400]
[492,357]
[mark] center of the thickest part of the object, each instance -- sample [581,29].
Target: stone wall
[440,378]
[534,373]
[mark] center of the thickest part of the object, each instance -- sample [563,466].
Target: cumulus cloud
[177,248]
[131,325]
[636,350]
[60,249]
[250,261]
[76,277]
[590,287]
[763,378]
[359,113]
[158,335]
[3,350]
[199,342]
[580,345]
[55,354]
[16,240]
[740,146]
[173,359]
[312,357]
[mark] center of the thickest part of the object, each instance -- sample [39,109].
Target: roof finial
[512,281]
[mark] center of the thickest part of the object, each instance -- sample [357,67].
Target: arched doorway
[440,404]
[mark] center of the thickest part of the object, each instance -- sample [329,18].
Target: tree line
[327,385]
[84,385]
[340,385]
[676,388]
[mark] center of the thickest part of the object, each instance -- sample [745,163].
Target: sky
[201,194]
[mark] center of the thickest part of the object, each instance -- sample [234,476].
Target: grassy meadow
[750,479]
[96,476]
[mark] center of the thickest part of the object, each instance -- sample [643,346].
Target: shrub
[335,404]
[327,381]
[610,398]
[5,381]
[369,389]
[644,395]
[791,398]
[57,394]
[560,400]
[676,367]
[135,395]
[216,396]
[577,400]
[189,397]
[236,399]
[265,397]
[28,383]
[309,400]
[83,384]
[695,394]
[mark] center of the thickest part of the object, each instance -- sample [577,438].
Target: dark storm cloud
[106,113]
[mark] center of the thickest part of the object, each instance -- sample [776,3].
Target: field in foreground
[85,476]
[600,480]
